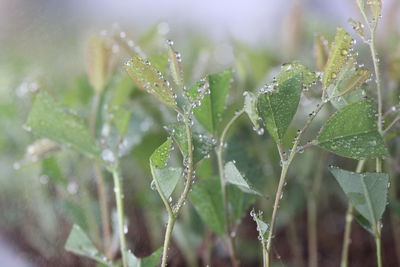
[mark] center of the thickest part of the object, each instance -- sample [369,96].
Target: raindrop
[107,155]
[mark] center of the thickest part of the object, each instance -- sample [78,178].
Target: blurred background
[43,44]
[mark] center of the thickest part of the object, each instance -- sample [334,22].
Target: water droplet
[153,185]
[107,155]
[72,188]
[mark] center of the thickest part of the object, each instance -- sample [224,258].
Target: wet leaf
[321,52]
[234,177]
[366,191]
[167,179]
[339,55]
[357,26]
[349,79]
[48,119]
[294,69]
[277,108]
[98,62]
[213,104]
[352,132]
[376,8]
[175,65]
[149,261]
[147,78]
[262,227]
[207,200]
[160,156]
[79,243]
[202,143]
[250,107]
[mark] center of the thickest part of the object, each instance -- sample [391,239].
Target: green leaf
[175,67]
[202,143]
[339,55]
[207,200]
[366,191]
[147,78]
[160,156]
[98,62]
[262,227]
[149,261]
[79,243]
[167,179]
[375,7]
[120,118]
[293,69]
[250,107]
[51,169]
[233,176]
[278,107]
[213,104]
[352,132]
[48,119]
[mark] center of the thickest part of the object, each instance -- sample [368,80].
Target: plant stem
[285,167]
[103,199]
[167,240]
[100,184]
[279,192]
[312,214]
[120,213]
[349,220]
[347,233]
[174,212]
[219,152]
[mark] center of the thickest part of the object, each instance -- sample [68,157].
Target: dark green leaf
[213,104]
[202,143]
[277,108]
[352,132]
[48,119]
[207,200]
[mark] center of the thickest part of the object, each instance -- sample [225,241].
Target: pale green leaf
[250,107]
[366,191]
[352,132]
[262,227]
[167,179]
[49,119]
[234,177]
[79,243]
[339,55]
[293,69]
[147,78]
[207,200]
[175,65]
[149,261]
[98,62]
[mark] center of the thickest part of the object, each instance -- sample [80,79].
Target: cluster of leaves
[200,109]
